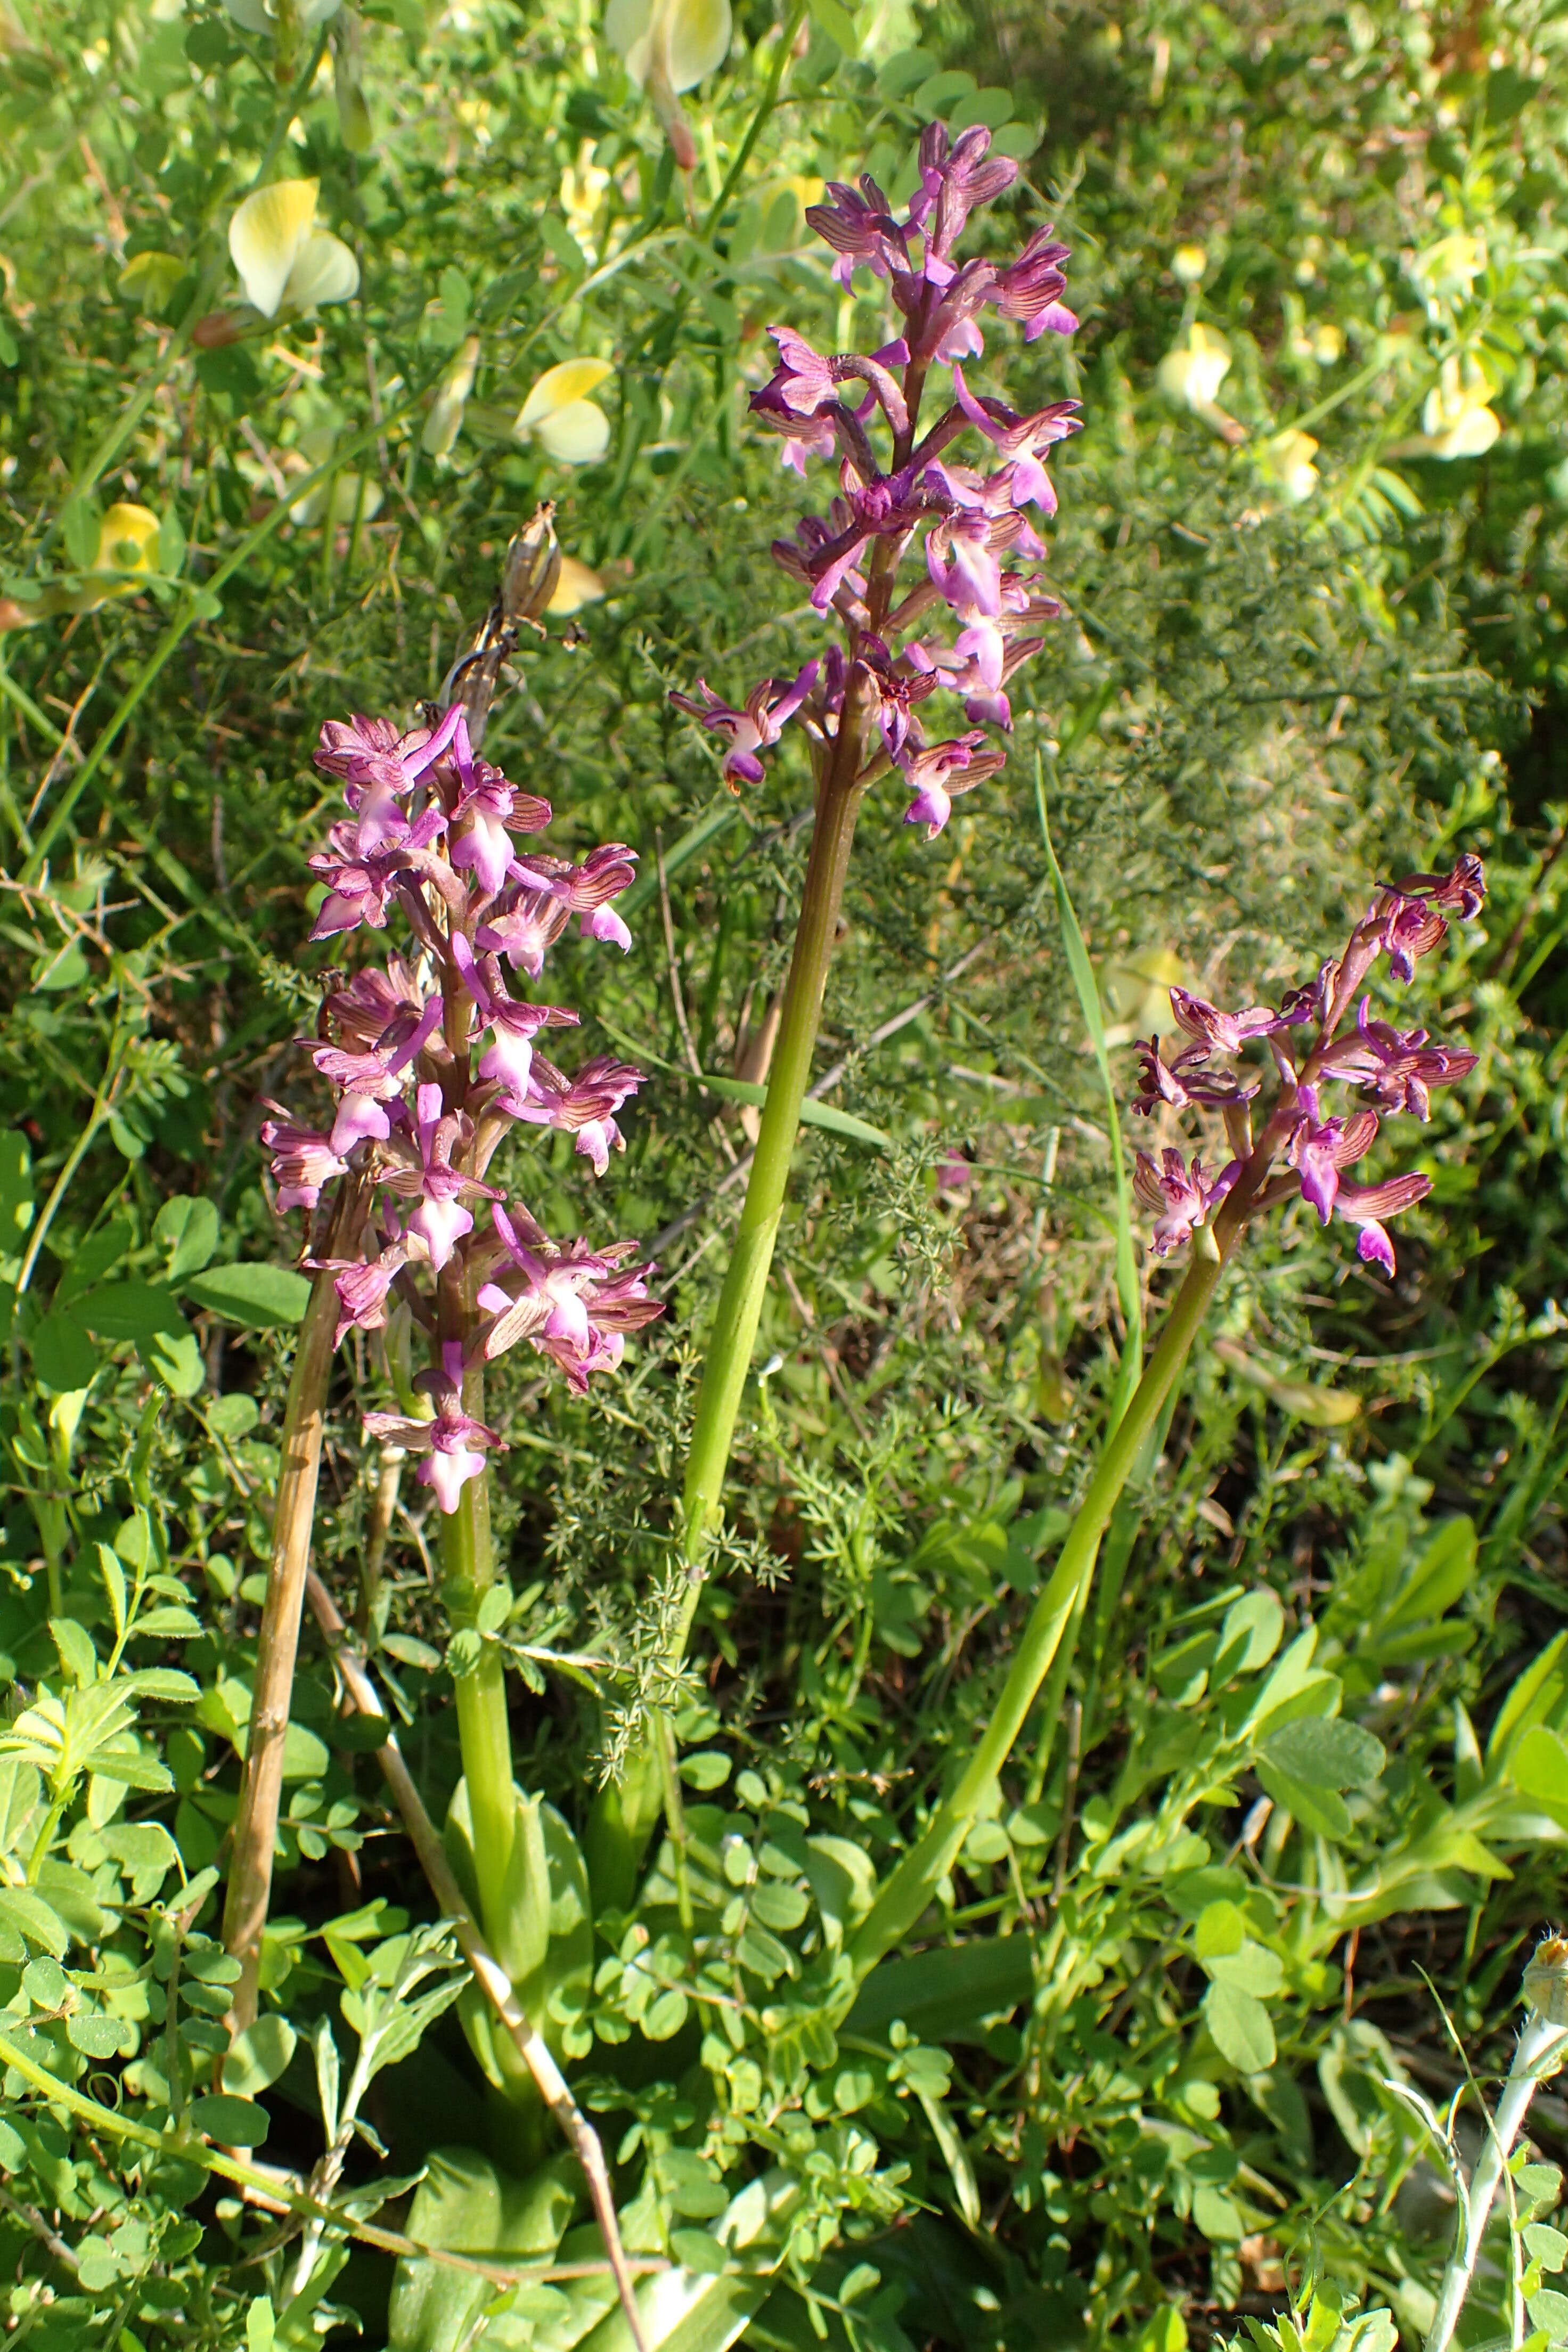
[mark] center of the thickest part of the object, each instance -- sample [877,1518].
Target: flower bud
[219,327]
[532,569]
[1188,264]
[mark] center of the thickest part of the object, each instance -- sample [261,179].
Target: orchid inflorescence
[433,829]
[1396,1068]
[975,520]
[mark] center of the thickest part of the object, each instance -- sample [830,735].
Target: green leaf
[1323,1751]
[232,2123]
[80,522]
[834,20]
[1539,1768]
[16,1187]
[1128,1289]
[1221,1930]
[260,1298]
[1240,2028]
[171,545]
[955,2156]
[113,1577]
[29,1915]
[694,2250]
[64,1358]
[258,2056]
[131,1310]
[1548,2310]
[166,1683]
[1253,1970]
[1546,2246]
[174,1362]
[943,1995]
[708,1769]
[1442,1574]
[664,2015]
[1315,1809]
[96,2037]
[233,1416]
[1248,1636]
[187,1227]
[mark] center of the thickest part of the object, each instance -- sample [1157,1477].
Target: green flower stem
[1540,2052]
[913,1882]
[468,1562]
[626,1813]
[250,1890]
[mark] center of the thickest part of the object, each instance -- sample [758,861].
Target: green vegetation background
[1140,2084]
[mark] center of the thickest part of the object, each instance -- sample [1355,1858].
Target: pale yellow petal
[577,586]
[558,387]
[626,29]
[577,435]
[699,35]
[265,237]
[445,418]
[126,540]
[1471,437]
[325,271]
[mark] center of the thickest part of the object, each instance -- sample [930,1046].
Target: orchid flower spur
[1303,1144]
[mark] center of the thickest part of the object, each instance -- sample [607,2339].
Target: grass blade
[1128,1289]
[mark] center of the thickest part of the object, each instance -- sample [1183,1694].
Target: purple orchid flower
[585,889]
[371,1078]
[897,692]
[1185,1081]
[860,226]
[1365,1205]
[1317,1147]
[575,1306]
[938,773]
[454,1446]
[954,180]
[524,929]
[357,884]
[363,1285]
[583,1105]
[303,1159]
[1226,1033]
[1029,288]
[512,1026]
[426,1174]
[1020,440]
[1401,1066]
[1407,928]
[754,728]
[1181,1197]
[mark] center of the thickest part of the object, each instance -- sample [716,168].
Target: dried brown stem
[489,1974]
[261,1786]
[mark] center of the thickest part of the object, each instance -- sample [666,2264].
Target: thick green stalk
[910,1889]
[468,1562]
[626,1812]
[740,1302]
